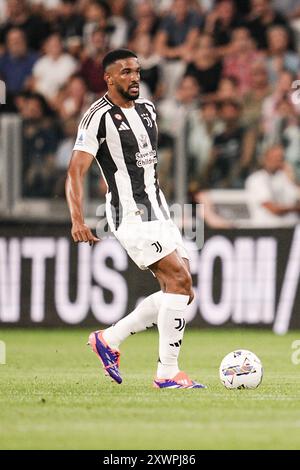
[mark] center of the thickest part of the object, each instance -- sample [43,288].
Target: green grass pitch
[53,394]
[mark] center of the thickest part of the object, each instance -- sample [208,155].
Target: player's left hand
[82,233]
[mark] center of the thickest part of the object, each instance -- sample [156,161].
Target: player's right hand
[82,233]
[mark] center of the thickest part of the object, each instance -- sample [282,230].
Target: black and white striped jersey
[124,144]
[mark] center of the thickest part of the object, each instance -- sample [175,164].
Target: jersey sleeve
[88,135]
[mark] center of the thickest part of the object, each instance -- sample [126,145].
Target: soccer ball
[241,369]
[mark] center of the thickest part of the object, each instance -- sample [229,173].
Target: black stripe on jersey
[108,101]
[152,133]
[109,169]
[92,114]
[142,110]
[146,103]
[87,119]
[130,147]
[90,111]
[149,104]
[101,134]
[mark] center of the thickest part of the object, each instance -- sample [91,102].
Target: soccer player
[119,131]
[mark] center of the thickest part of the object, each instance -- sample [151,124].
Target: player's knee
[181,282]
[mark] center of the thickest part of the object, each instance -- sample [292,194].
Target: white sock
[170,325]
[143,316]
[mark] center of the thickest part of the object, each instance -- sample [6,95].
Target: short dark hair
[116,54]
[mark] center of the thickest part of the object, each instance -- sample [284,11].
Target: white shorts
[148,242]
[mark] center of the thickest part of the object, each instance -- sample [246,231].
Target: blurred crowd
[222,73]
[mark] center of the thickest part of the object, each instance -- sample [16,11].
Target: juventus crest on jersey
[124,144]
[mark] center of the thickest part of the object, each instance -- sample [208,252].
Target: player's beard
[126,93]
